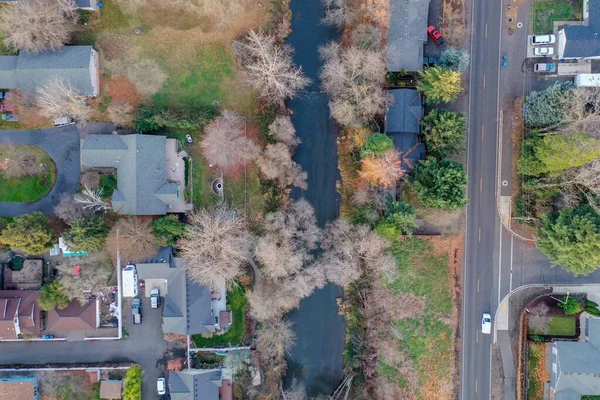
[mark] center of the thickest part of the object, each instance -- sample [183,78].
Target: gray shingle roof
[80,3]
[187,306]
[195,384]
[405,112]
[407,33]
[32,70]
[584,41]
[141,163]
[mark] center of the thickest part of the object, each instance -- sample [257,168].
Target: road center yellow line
[475,385]
[482,132]
[483,81]
[477,285]
[481,184]
[486,30]
[480,234]
[477,336]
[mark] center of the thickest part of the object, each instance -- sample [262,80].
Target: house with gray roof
[581,40]
[199,384]
[407,33]
[575,369]
[402,122]
[188,308]
[90,5]
[150,172]
[75,65]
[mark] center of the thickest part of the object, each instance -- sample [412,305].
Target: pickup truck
[136,311]
[155,298]
[544,67]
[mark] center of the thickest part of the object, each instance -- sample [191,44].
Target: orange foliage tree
[383,169]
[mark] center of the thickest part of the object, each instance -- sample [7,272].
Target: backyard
[546,12]
[553,325]
[36,169]
[538,374]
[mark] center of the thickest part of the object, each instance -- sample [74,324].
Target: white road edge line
[491,347]
[512,238]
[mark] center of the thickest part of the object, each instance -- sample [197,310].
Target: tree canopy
[440,84]
[444,132]
[51,296]
[440,184]
[168,229]
[547,108]
[399,217]
[571,239]
[87,234]
[455,59]
[132,386]
[30,233]
[376,144]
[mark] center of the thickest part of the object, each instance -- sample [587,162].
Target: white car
[161,386]
[486,323]
[188,137]
[542,39]
[543,51]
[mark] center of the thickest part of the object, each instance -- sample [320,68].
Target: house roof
[22,388]
[28,71]
[187,306]
[80,3]
[8,312]
[141,163]
[195,384]
[75,317]
[29,311]
[584,40]
[111,389]
[568,394]
[224,319]
[406,111]
[407,33]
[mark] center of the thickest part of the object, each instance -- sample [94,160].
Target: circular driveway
[62,144]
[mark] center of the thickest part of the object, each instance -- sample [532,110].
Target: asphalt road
[482,217]
[62,144]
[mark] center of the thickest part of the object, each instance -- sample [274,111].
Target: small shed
[111,389]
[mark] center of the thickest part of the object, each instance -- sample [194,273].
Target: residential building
[19,313]
[188,308]
[76,65]
[150,172]
[19,387]
[575,368]
[402,123]
[111,389]
[581,40]
[407,33]
[198,384]
[90,5]
[75,317]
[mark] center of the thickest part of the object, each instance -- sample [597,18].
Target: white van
[542,39]
[130,281]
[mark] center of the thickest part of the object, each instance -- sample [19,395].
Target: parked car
[486,323]
[435,35]
[155,298]
[542,39]
[46,337]
[544,67]
[161,386]
[10,117]
[189,139]
[543,51]
[136,311]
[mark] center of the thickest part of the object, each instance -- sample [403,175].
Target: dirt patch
[123,91]
[447,222]
[90,179]
[497,374]
[454,22]
[114,47]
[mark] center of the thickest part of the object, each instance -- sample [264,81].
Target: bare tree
[19,161]
[38,25]
[82,278]
[276,163]
[121,114]
[296,391]
[215,246]
[382,169]
[354,77]
[283,131]
[338,12]
[269,66]
[580,116]
[136,240]
[58,99]
[225,144]
[275,338]
[235,361]
[69,210]
[290,235]
[91,200]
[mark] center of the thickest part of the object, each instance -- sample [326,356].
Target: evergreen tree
[168,229]
[377,144]
[454,59]
[87,234]
[440,84]
[30,233]
[132,385]
[51,296]
[547,108]
[399,217]
[440,184]
[444,132]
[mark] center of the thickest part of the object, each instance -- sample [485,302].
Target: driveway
[62,144]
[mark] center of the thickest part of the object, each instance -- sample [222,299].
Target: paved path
[62,144]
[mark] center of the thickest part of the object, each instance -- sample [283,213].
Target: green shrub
[168,229]
[589,303]
[377,144]
[536,338]
[132,386]
[570,305]
[593,311]
[51,296]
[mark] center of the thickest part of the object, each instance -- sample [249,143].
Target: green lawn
[28,188]
[236,302]
[546,12]
[427,339]
[556,326]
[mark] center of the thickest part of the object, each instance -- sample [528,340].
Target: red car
[435,35]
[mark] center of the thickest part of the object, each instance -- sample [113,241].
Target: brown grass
[123,91]
[454,22]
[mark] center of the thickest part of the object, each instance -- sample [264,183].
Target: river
[317,358]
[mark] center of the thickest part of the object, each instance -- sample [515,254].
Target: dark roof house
[187,306]
[575,369]
[402,123]
[582,40]
[75,317]
[196,384]
[91,5]
[76,65]
[141,163]
[22,305]
[407,33]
